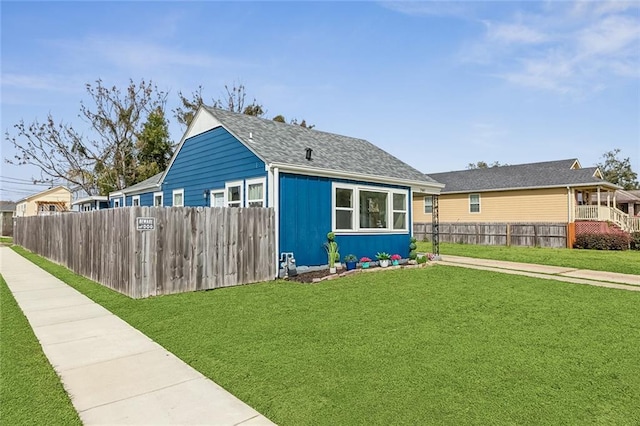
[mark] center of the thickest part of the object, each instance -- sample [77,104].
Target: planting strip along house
[553,191]
[316,181]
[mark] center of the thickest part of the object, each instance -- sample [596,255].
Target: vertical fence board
[516,234]
[190,248]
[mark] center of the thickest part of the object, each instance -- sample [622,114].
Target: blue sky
[437,84]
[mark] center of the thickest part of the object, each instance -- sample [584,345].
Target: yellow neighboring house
[51,201]
[552,191]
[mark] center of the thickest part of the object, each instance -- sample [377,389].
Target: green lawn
[30,391]
[439,345]
[6,240]
[627,262]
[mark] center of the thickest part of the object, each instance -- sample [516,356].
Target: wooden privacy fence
[504,234]
[188,249]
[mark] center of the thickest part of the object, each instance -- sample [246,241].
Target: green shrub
[602,242]
[635,241]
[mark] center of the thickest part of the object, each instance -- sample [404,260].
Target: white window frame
[351,209]
[228,185]
[116,202]
[212,193]
[394,211]
[134,199]
[430,205]
[478,203]
[262,200]
[158,194]
[356,209]
[173,197]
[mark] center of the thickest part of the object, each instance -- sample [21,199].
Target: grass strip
[30,390]
[439,345]
[625,262]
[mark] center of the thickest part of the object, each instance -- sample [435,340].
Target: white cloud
[36,82]
[514,33]
[565,48]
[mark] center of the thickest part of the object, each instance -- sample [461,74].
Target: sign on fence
[145,223]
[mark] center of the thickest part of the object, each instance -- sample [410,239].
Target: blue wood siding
[206,162]
[305,219]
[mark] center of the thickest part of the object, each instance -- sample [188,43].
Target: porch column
[608,199]
[598,197]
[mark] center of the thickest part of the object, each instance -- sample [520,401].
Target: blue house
[317,182]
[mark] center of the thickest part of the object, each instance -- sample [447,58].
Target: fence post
[508,235]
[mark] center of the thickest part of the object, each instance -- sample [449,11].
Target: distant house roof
[145,185]
[285,146]
[7,206]
[90,199]
[42,193]
[628,196]
[548,174]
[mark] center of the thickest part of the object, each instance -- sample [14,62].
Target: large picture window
[369,209]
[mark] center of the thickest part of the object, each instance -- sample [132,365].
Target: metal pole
[435,227]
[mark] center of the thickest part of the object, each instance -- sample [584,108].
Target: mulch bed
[324,274]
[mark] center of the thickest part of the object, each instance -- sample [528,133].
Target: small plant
[396,257]
[365,260]
[421,260]
[383,256]
[350,258]
[412,249]
[332,249]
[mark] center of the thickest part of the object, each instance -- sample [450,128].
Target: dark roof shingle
[282,143]
[544,174]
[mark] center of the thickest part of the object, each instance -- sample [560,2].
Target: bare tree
[105,160]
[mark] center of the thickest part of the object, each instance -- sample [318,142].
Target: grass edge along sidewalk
[624,262]
[448,344]
[30,389]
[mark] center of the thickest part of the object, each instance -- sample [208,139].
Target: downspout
[276,211]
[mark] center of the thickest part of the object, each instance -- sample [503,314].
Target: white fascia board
[91,198]
[116,194]
[521,188]
[419,186]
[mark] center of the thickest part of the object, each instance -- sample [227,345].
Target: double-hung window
[369,209]
[233,194]
[428,204]
[344,206]
[116,202]
[256,192]
[135,200]
[178,197]
[157,199]
[474,203]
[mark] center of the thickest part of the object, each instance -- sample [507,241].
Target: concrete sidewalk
[113,373]
[571,275]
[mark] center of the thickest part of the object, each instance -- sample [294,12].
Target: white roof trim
[420,186]
[572,185]
[89,199]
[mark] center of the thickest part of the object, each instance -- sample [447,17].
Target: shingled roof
[286,144]
[145,185]
[546,174]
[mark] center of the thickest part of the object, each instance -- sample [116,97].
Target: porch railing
[603,213]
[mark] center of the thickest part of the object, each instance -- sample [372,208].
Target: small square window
[428,204]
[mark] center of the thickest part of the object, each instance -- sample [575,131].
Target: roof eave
[421,186]
[519,188]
